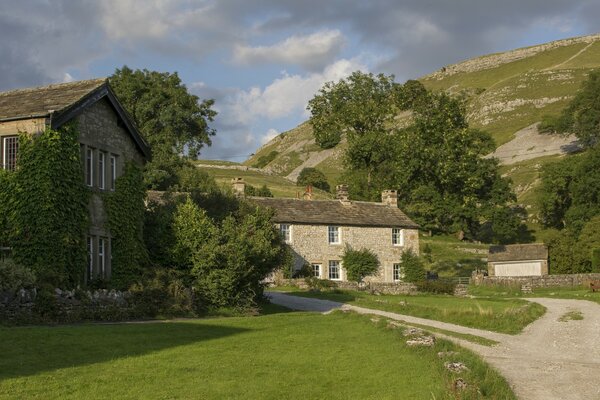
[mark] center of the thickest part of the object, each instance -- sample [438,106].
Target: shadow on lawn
[31,350]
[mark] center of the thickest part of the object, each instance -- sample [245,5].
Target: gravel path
[549,360]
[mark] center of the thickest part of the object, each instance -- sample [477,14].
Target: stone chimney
[390,198]
[308,194]
[239,186]
[341,193]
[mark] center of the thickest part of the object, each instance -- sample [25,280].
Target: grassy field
[577,293]
[493,314]
[451,257]
[280,187]
[283,355]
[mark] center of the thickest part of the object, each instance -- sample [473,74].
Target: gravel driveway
[549,360]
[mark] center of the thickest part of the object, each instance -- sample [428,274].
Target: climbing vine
[125,210]
[48,206]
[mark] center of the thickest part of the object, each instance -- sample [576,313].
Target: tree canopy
[173,121]
[313,177]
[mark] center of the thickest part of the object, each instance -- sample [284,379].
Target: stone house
[518,260]
[108,139]
[318,231]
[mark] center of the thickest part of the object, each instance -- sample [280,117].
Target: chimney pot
[239,186]
[342,193]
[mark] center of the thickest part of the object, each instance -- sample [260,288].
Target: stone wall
[374,287]
[26,306]
[566,280]
[311,246]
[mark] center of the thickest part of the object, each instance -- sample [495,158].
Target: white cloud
[310,51]
[288,94]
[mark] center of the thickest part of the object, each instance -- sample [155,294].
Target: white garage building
[518,260]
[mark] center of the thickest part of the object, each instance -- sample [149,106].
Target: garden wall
[31,306]
[376,287]
[565,280]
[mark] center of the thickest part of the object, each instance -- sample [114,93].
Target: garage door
[519,269]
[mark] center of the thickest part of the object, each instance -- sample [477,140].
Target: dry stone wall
[565,280]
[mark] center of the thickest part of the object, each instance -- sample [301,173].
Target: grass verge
[493,314]
[497,291]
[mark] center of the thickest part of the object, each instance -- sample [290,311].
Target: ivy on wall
[125,210]
[48,206]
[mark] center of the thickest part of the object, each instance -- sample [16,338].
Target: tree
[262,191]
[229,260]
[412,266]
[313,177]
[582,116]
[173,121]
[359,263]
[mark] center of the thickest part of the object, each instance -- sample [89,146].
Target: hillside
[507,94]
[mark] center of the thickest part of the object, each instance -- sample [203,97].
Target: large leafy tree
[173,121]
[582,116]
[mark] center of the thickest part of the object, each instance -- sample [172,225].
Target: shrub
[304,272]
[163,292]
[262,191]
[14,277]
[359,263]
[412,267]
[317,284]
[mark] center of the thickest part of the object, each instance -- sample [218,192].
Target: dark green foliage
[359,263]
[582,116]
[313,177]
[262,191]
[172,121]
[190,178]
[163,292]
[572,252]
[14,277]
[49,207]
[561,246]
[412,267]
[596,260]
[304,272]
[436,286]
[264,160]
[125,210]
[505,226]
[6,193]
[228,260]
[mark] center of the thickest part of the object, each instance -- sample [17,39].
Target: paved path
[549,360]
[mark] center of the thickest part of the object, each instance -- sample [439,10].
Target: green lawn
[493,314]
[497,291]
[284,355]
[452,257]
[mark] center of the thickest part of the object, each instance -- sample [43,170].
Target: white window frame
[397,272]
[102,257]
[334,235]
[101,170]
[113,171]
[89,167]
[5,141]
[338,268]
[397,237]
[316,270]
[286,232]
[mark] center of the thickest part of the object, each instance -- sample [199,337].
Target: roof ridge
[99,81]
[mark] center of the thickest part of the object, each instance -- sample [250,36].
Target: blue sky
[262,60]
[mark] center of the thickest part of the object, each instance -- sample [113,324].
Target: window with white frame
[397,272]
[90,250]
[316,270]
[335,273]
[333,234]
[113,171]
[102,257]
[286,232]
[101,169]
[397,237]
[89,167]
[10,147]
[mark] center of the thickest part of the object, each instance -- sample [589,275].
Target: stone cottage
[108,139]
[319,230]
[518,260]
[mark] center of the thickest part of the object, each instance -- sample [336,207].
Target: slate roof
[334,212]
[43,101]
[518,252]
[62,102]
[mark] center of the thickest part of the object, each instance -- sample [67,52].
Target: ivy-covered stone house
[318,231]
[108,140]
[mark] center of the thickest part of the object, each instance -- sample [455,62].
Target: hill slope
[507,94]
